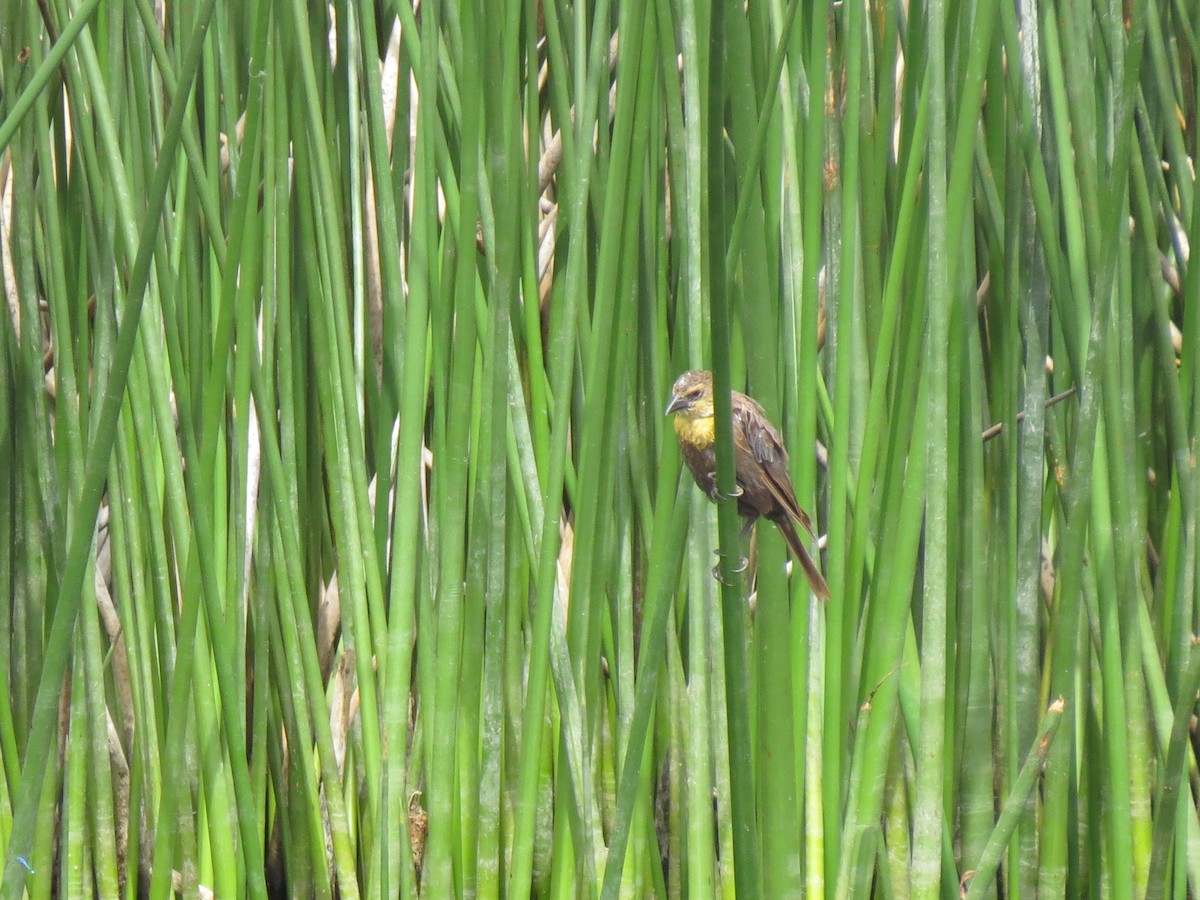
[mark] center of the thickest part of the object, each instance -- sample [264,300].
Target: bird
[764,487]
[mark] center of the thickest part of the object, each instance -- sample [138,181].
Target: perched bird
[760,462]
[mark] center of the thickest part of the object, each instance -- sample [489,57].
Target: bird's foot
[741,566]
[716,496]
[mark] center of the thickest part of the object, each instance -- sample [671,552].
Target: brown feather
[815,579]
[760,463]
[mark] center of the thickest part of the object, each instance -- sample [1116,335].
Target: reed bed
[345,549]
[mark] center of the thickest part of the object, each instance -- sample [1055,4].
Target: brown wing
[762,464]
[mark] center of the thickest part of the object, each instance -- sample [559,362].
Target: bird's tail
[811,572]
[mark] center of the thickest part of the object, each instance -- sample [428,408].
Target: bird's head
[692,396]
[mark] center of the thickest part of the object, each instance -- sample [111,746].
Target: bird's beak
[677,403]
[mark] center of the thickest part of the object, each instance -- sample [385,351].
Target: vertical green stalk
[747,860]
[442,869]
[407,534]
[589,67]
[929,813]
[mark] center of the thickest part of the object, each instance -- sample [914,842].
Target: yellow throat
[699,431]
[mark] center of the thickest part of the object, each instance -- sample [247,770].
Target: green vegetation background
[343,544]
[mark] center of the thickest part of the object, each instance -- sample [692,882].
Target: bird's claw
[716,574]
[741,567]
[716,496]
